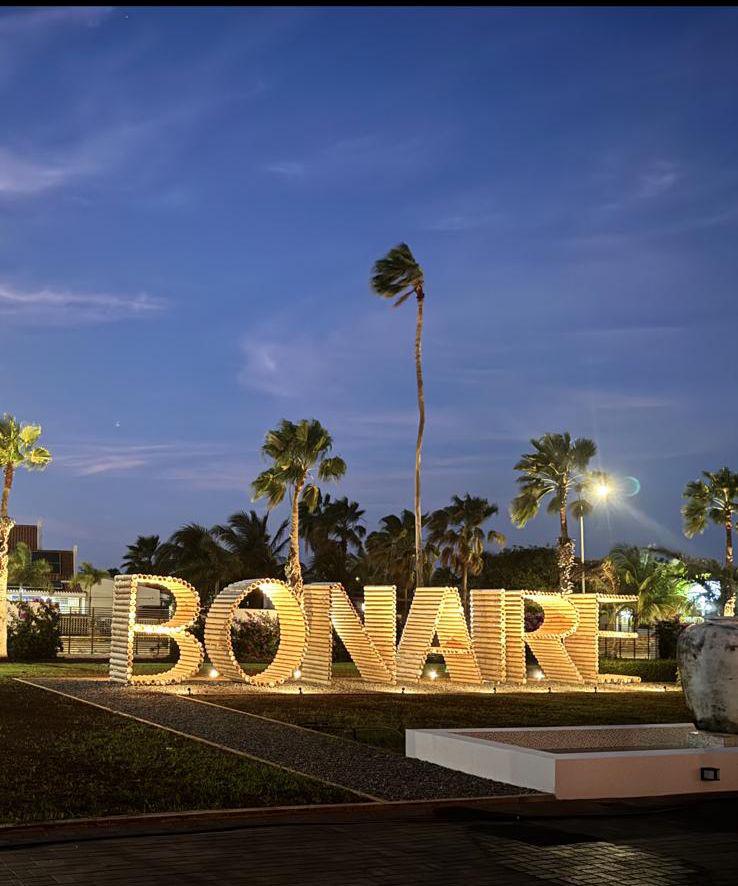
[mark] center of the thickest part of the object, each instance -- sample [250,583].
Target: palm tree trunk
[729,608]
[566,554]
[6,524]
[294,570]
[465,586]
[419,575]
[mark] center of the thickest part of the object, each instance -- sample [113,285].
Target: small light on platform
[213,673]
[537,674]
[433,674]
[297,673]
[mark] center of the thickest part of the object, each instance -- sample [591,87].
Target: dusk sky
[191,202]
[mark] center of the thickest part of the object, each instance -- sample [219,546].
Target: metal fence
[88,633]
[644,646]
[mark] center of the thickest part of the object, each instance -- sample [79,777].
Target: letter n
[371,643]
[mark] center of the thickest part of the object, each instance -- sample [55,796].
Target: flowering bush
[34,632]
[255,638]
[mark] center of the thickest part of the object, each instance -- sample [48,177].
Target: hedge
[650,670]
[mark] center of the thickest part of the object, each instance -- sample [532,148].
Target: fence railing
[645,645]
[88,633]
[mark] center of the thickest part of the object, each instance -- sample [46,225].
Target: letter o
[292,631]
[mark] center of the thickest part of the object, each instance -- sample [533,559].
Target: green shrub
[650,670]
[255,638]
[34,632]
[667,634]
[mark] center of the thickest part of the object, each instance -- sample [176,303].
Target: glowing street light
[599,487]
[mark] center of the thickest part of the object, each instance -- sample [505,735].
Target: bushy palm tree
[391,552]
[193,553]
[88,576]
[661,585]
[456,531]
[145,556]
[296,451]
[397,276]
[556,465]
[714,498]
[333,520]
[18,449]
[23,570]
[255,551]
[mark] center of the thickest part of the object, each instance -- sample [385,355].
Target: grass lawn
[381,718]
[63,759]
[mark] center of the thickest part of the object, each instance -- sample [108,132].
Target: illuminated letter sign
[565,644]
[292,631]
[124,629]
[437,612]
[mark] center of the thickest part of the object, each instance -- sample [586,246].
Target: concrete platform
[588,762]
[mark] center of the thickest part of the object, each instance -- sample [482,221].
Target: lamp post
[600,490]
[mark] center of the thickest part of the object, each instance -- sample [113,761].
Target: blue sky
[191,202]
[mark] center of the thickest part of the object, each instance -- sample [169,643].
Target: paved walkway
[370,772]
[602,845]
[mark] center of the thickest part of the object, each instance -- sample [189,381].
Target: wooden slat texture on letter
[356,637]
[583,644]
[488,633]
[124,629]
[316,602]
[560,620]
[437,611]
[515,670]
[292,631]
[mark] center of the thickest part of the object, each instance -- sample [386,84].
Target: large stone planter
[708,662]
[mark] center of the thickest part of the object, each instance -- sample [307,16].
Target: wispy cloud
[358,156]
[21,175]
[659,177]
[286,168]
[13,24]
[206,465]
[59,307]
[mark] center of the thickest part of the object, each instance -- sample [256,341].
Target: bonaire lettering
[493,651]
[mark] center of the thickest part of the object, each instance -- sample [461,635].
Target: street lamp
[600,489]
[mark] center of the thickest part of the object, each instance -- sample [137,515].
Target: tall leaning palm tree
[398,276]
[17,450]
[714,498]
[456,531]
[556,466]
[300,454]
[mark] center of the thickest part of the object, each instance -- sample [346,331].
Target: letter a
[437,611]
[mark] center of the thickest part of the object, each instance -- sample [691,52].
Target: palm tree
[195,555]
[144,556]
[256,552]
[555,466]
[88,576]
[296,450]
[456,531]
[391,554]
[17,450]
[24,571]
[661,585]
[398,276]
[333,520]
[714,498]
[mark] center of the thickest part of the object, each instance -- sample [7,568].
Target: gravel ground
[368,771]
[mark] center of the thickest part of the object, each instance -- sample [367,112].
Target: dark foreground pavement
[506,842]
